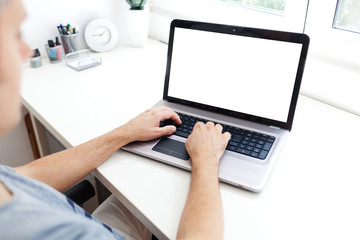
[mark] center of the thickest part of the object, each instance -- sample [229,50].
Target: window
[347,15]
[286,15]
[329,23]
[271,6]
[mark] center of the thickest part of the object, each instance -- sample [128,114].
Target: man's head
[12,52]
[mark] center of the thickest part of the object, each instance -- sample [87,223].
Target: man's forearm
[63,169]
[202,216]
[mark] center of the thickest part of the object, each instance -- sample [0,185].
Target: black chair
[81,192]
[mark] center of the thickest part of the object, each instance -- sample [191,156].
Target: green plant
[136,4]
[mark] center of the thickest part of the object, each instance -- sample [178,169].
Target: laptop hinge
[278,128]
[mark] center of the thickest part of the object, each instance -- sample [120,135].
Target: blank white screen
[242,74]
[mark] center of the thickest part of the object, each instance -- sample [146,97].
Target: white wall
[332,81]
[44,15]
[15,148]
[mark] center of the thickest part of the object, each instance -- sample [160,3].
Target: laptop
[246,79]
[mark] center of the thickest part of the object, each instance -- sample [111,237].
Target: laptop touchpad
[172,147]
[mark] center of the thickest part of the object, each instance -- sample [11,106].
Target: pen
[53,52]
[68,29]
[62,29]
[58,49]
[65,31]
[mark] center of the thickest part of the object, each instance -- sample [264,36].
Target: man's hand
[206,144]
[146,126]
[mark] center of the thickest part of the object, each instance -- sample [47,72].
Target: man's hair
[3,4]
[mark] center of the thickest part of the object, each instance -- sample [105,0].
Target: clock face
[101,35]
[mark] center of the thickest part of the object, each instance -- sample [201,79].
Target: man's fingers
[227,136]
[199,124]
[219,127]
[167,130]
[209,124]
[176,118]
[167,113]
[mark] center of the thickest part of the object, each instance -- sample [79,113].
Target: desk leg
[39,132]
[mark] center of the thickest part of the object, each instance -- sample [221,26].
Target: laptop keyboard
[249,143]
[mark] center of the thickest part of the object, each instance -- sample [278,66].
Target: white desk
[313,192]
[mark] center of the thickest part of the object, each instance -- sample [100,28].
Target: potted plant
[136,4]
[138,22]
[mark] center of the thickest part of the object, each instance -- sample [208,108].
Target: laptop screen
[239,73]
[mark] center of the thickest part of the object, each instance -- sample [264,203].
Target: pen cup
[70,43]
[35,61]
[54,53]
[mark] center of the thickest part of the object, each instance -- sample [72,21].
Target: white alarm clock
[101,35]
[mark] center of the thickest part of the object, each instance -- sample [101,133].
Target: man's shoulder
[4,168]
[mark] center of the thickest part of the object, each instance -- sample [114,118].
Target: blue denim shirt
[37,211]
